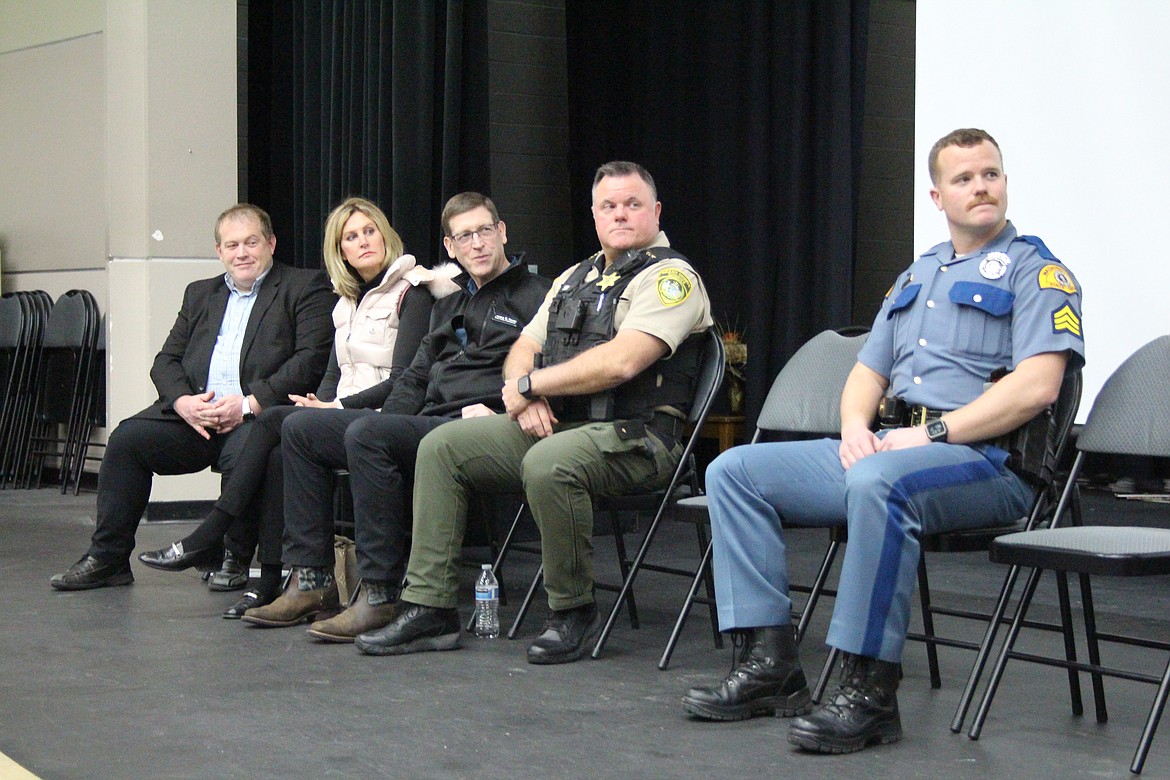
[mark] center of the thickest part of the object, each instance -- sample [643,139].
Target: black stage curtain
[387,100]
[748,115]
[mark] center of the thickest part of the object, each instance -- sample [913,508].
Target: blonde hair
[345,280]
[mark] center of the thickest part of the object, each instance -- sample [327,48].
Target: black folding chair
[64,388]
[805,400]
[96,393]
[1131,416]
[26,314]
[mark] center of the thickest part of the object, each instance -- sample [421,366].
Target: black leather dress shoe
[255,597]
[89,573]
[567,635]
[417,628]
[232,574]
[175,558]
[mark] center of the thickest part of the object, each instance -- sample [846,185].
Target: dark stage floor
[149,681]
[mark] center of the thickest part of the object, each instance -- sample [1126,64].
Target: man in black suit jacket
[241,343]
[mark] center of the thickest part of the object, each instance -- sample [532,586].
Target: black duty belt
[668,425]
[894,412]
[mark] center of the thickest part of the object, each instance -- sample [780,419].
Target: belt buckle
[917,415]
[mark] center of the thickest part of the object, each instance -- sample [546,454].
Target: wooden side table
[727,429]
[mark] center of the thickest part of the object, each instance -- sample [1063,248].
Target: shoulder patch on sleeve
[1040,246]
[673,286]
[1066,320]
[1055,277]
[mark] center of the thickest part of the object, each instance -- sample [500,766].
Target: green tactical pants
[558,474]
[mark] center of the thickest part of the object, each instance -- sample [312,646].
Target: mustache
[982,200]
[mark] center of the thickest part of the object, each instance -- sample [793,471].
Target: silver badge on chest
[994,266]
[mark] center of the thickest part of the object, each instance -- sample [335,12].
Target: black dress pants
[138,449]
[254,491]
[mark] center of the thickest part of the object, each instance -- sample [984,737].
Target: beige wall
[52,189]
[119,127]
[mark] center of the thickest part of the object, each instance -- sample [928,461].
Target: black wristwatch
[524,386]
[936,430]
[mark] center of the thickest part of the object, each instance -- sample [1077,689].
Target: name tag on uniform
[505,319]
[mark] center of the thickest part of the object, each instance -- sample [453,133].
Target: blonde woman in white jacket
[382,313]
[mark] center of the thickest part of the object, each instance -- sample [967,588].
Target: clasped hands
[535,416]
[207,414]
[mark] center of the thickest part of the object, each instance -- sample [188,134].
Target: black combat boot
[765,679]
[863,711]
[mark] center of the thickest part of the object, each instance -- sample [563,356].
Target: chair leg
[700,575]
[1094,648]
[817,589]
[619,541]
[1001,660]
[1070,646]
[1159,704]
[628,581]
[826,672]
[1005,594]
[928,623]
[536,580]
[709,581]
[500,554]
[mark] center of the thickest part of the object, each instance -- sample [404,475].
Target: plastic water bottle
[487,604]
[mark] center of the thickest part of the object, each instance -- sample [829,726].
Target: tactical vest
[581,316]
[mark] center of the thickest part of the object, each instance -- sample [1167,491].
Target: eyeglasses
[483,231]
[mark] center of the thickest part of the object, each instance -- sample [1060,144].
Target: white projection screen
[1077,93]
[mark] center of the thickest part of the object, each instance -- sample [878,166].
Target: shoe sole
[269,623]
[580,652]
[817,743]
[420,645]
[335,638]
[229,585]
[125,578]
[790,706]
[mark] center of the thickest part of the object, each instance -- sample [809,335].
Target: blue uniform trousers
[887,499]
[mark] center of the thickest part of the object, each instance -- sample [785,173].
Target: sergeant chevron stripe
[1065,318]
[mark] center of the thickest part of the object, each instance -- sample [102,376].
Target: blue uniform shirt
[948,321]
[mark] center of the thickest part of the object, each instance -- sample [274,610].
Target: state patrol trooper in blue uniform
[987,304]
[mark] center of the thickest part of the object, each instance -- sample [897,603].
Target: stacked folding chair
[23,318]
[96,391]
[65,388]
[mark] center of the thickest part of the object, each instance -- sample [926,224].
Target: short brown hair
[965,137]
[464,202]
[246,211]
[625,168]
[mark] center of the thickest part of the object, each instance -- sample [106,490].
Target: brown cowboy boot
[360,616]
[294,605]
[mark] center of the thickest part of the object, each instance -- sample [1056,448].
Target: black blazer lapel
[264,298]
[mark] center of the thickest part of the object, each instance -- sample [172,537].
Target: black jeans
[379,450]
[254,491]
